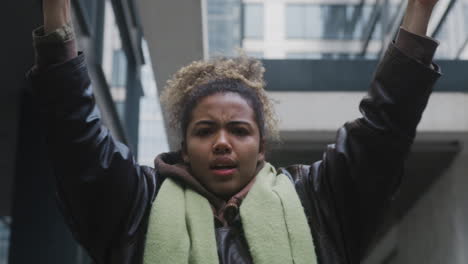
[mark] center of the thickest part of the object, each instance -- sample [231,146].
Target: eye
[203,132]
[240,131]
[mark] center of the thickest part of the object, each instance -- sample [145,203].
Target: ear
[261,152]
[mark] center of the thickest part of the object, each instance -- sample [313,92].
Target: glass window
[303,55]
[333,21]
[329,56]
[377,33]
[295,21]
[114,59]
[152,134]
[119,68]
[393,7]
[224,27]
[359,23]
[371,56]
[454,32]
[336,56]
[313,21]
[216,7]
[253,21]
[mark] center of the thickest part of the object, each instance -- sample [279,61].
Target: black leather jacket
[105,196]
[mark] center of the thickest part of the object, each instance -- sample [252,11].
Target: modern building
[290,29]
[318,53]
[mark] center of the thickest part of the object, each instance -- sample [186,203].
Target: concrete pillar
[435,230]
[176,35]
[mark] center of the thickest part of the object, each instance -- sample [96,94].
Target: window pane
[333,19]
[224,27]
[334,22]
[253,21]
[313,22]
[152,138]
[295,18]
[114,60]
[304,55]
[453,33]
[119,68]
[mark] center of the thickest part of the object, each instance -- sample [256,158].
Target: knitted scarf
[181,224]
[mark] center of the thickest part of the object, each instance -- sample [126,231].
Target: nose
[221,144]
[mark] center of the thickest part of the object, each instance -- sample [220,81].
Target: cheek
[248,153]
[197,151]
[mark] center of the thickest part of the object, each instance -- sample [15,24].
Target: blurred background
[320,56]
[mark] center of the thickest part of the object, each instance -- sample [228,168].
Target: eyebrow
[204,122]
[211,122]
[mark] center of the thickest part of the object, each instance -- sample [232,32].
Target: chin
[225,190]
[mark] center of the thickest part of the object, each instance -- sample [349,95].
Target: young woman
[217,200]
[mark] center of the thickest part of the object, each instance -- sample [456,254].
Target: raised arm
[358,177]
[371,151]
[102,192]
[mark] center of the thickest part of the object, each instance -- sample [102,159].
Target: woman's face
[222,143]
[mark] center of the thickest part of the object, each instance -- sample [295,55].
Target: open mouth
[223,170]
[223,166]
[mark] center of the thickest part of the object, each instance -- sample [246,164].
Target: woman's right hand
[56,14]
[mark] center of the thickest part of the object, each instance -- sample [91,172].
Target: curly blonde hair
[243,69]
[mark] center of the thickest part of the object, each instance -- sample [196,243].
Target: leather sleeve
[101,191]
[420,48]
[351,187]
[56,47]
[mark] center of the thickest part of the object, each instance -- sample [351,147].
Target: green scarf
[181,224]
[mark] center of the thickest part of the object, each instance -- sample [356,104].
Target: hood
[171,165]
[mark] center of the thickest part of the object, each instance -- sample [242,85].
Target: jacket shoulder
[154,179]
[295,172]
